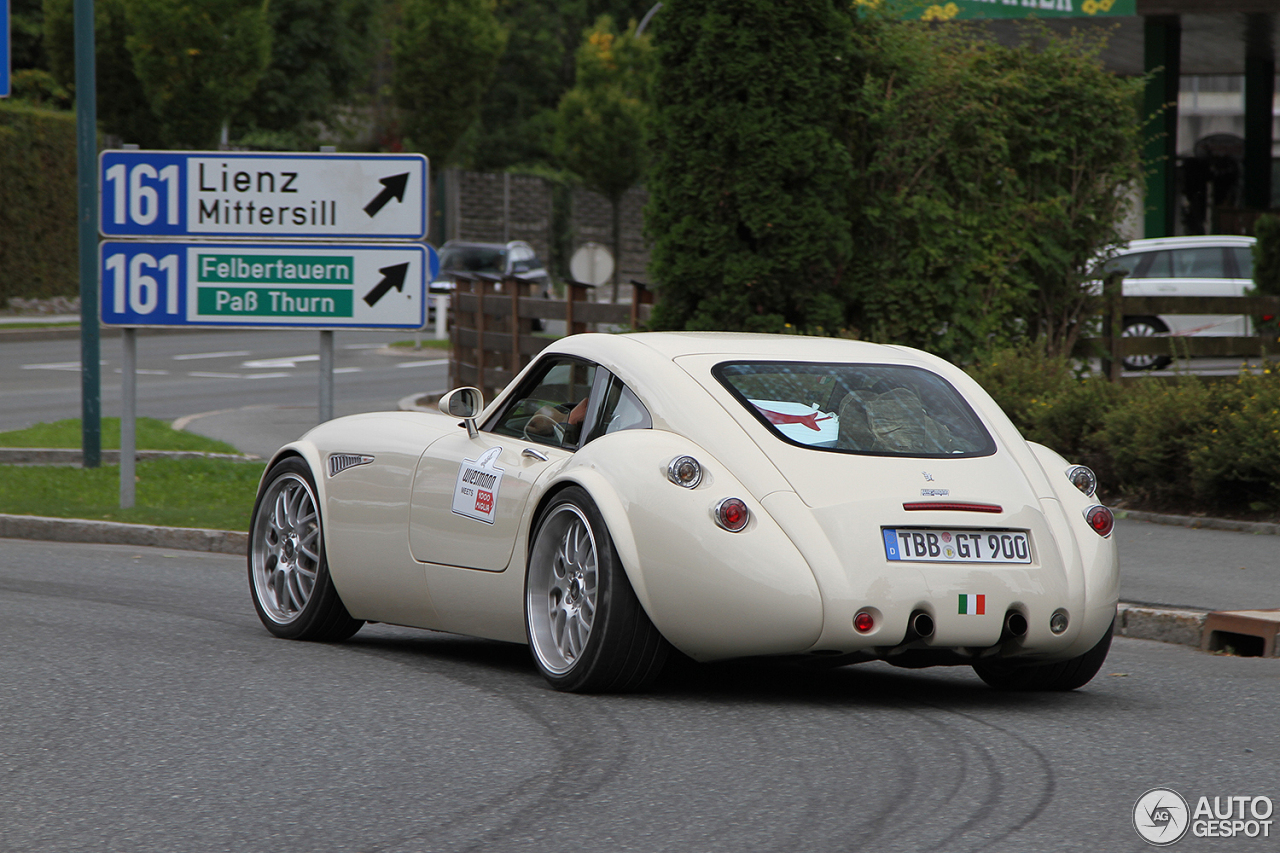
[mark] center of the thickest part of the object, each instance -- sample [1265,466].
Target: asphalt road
[262,387]
[143,708]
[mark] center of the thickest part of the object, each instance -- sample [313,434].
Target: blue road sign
[229,195]
[265,285]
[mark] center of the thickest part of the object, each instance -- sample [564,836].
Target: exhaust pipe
[920,625]
[1015,624]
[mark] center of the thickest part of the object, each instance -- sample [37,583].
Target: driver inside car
[544,421]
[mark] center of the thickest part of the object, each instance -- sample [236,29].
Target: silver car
[1213,265]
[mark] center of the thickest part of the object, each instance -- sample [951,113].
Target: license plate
[934,545]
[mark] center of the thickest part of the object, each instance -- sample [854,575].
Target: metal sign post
[4,48]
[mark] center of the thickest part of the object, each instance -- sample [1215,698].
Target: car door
[1193,271]
[470,494]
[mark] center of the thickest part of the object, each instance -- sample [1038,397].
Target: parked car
[725,495]
[1217,265]
[516,258]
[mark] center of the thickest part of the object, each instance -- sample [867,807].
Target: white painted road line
[365,346]
[192,356]
[142,372]
[268,375]
[348,369]
[57,365]
[287,361]
[202,375]
[432,363]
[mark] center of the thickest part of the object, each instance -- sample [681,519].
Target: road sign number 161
[143,289]
[143,200]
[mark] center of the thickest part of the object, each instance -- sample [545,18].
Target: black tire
[288,570]
[1064,675]
[1145,327]
[585,626]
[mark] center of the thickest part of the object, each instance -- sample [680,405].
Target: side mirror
[464,403]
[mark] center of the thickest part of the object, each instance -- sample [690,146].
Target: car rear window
[872,409]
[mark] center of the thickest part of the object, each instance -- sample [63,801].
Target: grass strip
[152,434]
[431,343]
[211,493]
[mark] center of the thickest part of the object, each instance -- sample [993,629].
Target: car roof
[1193,242]
[673,345]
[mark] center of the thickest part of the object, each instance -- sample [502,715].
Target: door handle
[534,454]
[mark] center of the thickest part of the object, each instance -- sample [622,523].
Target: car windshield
[473,259]
[873,409]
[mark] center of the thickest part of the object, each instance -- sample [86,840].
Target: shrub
[38,237]
[1235,465]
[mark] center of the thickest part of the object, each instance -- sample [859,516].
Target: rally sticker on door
[475,495]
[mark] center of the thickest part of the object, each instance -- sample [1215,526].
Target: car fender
[1098,556]
[712,593]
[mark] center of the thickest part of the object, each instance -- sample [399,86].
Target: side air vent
[339,462]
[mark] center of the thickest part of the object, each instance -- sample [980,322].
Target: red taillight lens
[1100,519]
[864,622]
[732,514]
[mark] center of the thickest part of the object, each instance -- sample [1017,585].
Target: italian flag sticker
[973,605]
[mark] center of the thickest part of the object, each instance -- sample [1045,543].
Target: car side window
[551,405]
[1159,265]
[621,409]
[1244,261]
[1204,262]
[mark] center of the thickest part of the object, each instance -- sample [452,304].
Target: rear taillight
[1100,519]
[1083,479]
[732,514]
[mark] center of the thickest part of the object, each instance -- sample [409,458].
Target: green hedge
[1185,445]
[38,240]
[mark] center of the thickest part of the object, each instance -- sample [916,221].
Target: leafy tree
[602,122]
[26,32]
[198,61]
[320,50]
[517,115]
[123,109]
[986,179]
[748,187]
[445,53]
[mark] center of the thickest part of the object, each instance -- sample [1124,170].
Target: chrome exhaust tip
[1015,624]
[920,625]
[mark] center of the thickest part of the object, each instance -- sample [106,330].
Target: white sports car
[725,495]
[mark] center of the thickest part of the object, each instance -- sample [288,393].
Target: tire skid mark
[538,800]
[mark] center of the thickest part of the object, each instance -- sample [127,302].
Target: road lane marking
[432,363]
[57,365]
[365,346]
[268,375]
[191,356]
[348,369]
[205,375]
[142,372]
[287,361]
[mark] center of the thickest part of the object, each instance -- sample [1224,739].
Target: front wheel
[1064,675]
[585,626]
[288,571]
[1144,327]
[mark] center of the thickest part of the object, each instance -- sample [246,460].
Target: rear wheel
[1144,327]
[288,571]
[1064,675]
[585,626]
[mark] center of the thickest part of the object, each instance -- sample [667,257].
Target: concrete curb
[117,533]
[1265,527]
[1181,626]
[73,456]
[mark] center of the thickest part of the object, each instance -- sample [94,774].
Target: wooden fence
[493,330]
[1114,347]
